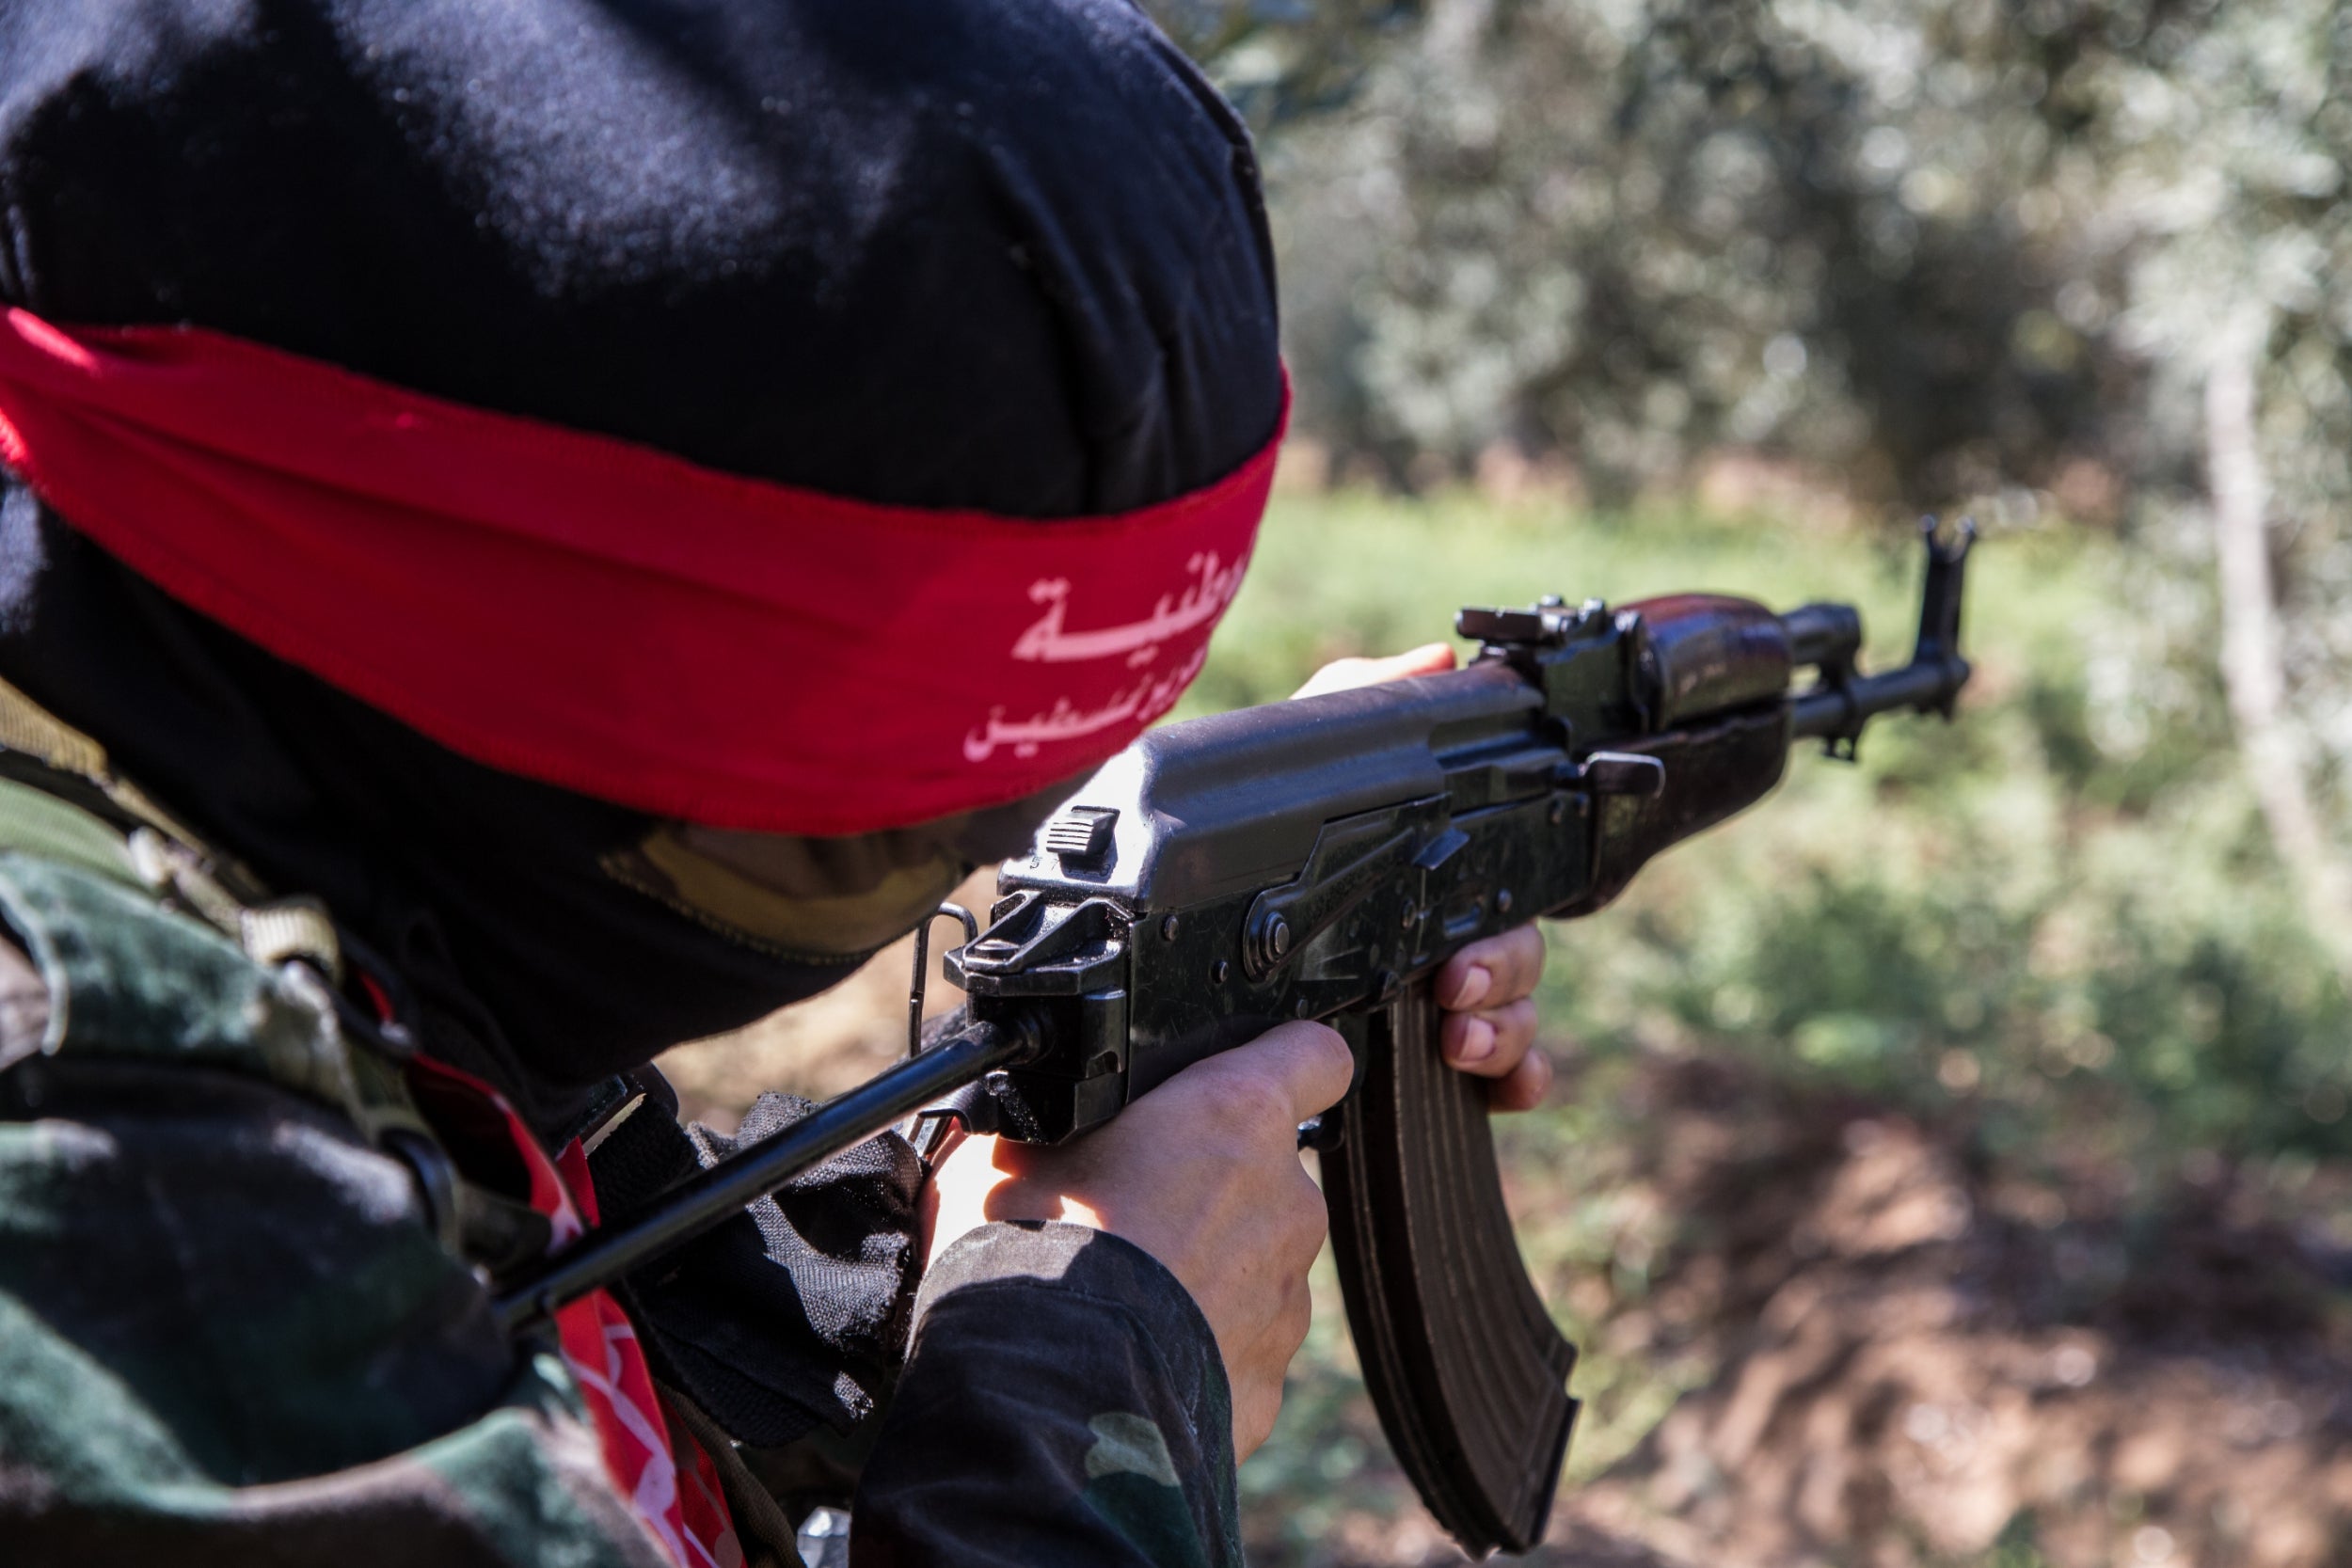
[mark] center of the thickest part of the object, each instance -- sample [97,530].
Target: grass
[2062,903]
[2056,920]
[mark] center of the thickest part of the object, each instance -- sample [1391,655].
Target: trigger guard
[1327,1133]
[972,1108]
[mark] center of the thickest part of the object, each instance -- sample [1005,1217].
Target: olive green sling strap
[155,947]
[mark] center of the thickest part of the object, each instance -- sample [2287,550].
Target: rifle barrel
[703,1200]
[1923,685]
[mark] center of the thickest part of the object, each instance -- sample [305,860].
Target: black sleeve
[1064,1402]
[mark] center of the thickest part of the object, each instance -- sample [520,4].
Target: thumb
[1309,1063]
[1345,675]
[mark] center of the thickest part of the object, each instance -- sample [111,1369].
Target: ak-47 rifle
[1320,859]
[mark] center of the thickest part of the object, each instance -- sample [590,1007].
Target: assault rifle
[1321,859]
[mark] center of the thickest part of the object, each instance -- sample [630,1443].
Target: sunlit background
[1951,1161]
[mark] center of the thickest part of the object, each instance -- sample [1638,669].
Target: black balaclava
[1003,254]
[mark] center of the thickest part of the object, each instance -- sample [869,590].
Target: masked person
[526,531]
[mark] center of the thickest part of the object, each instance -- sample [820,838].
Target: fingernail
[1475,985]
[1478,1041]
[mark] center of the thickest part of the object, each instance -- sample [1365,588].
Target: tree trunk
[2252,658]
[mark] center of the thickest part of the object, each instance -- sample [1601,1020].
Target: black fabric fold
[792,1313]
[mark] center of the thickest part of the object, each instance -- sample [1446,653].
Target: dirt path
[1921,1365]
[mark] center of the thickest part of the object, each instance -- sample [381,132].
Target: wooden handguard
[1462,1361]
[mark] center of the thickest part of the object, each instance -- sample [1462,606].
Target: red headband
[612,619]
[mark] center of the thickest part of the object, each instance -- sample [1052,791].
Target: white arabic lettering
[1201,601]
[1144,702]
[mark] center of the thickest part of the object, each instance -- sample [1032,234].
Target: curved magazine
[1462,1361]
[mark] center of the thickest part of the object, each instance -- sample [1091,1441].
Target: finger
[1491,1042]
[1345,675]
[1524,1089]
[1493,970]
[1308,1065]
[1430,659]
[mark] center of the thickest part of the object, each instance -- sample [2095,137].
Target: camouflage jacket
[229,1333]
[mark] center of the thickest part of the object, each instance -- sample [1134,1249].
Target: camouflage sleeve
[1063,1403]
[228,1338]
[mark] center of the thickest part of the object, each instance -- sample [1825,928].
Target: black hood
[1004,254]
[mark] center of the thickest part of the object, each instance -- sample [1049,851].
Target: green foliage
[1923,253]
[2053,913]
[2057,922]
[1951,251]
[1635,231]
[2227,159]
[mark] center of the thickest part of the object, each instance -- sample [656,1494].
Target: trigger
[1327,1133]
[1324,1133]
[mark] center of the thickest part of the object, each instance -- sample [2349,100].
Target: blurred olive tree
[2086,260]
[1283,60]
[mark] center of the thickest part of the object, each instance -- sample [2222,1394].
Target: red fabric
[672,1488]
[610,618]
[671,1485]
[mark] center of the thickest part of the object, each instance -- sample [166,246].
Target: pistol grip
[1462,1361]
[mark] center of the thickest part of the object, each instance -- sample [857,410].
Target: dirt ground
[827,1044]
[1915,1362]
[1919,1365]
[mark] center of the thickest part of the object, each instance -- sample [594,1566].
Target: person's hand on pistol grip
[1204,1172]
